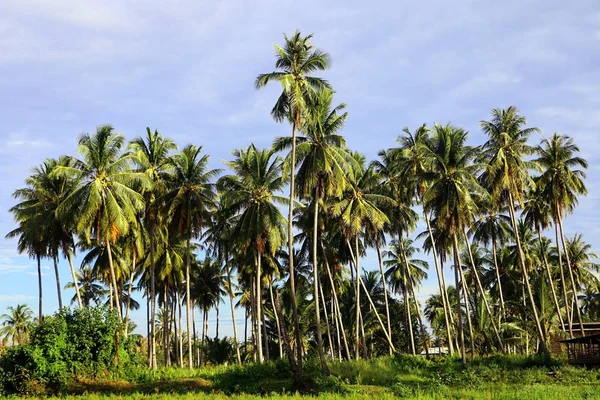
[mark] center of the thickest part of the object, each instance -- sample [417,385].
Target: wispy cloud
[15,298]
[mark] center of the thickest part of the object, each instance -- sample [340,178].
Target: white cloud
[15,298]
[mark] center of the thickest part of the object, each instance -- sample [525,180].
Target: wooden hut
[584,350]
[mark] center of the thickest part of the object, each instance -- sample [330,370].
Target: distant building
[584,350]
[436,351]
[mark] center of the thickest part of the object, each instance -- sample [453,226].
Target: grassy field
[498,377]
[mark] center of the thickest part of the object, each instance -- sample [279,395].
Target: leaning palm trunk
[58,288]
[188,300]
[497,268]
[74,275]
[336,303]
[113,279]
[466,297]
[461,329]
[385,292]
[326,321]
[298,371]
[361,283]
[526,275]
[482,292]
[573,286]
[152,338]
[441,284]
[563,281]
[276,320]
[286,340]
[316,288]
[129,289]
[407,282]
[547,268]
[421,324]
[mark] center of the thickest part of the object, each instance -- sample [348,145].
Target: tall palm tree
[16,324]
[104,201]
[404,274]
[260,227]
[189,196]
[294,62]
[322,160]
[537,214]
[507,176]
[152,159]
[561,182]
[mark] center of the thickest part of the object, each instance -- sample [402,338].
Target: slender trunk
[188,298]
[409,318]
[58,287]
[113,278]
[217,326]
[264,331]
[385,292]
[232,306]
[258,309]
[298,372]
[337,328]
[465,289]
[316,288]
[286,340]
[276,320]
[461,330]
[148,327]
[360,282]
[563,281]
[74,276]
[526,275]
[195,351]
[337,304]
[129,289]
[497,268]
[166,327]
[421,324]
[441,284]
[481,291]
[357,290]
[326,322]
[364,337]
[152,338]
[550,281]
[180,306]
[39,268]
[573,286]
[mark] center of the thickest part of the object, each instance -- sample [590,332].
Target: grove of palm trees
[324,251]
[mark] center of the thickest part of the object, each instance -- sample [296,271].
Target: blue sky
[187,68]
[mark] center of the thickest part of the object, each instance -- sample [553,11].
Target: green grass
[498,377]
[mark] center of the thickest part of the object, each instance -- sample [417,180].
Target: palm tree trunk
[357,296]
[153,363]
[481,291]
[461,329]
[264,331]
[409,318]
[337,304]
[74,275]
[231,305]
[113,278]
[360,281]
[202,337]
[286,339]
[573,286]
[385,292]
[276,320]
[326,322]
[465,289]
[337,328]
[258,308]
[245,329]
[180,341]
[563,281]
[441,285]
[217,326]
[550,281]
[298,372]
[421,324]
[129,289]
[39,268]
[497,268]
[58,287]
[195,339]
[316,288]
[526,275]
[166,327]
[188,298]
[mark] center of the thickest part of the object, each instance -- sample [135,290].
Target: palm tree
[537,215]
[104,201]
[561,182]
[90,288]
[507,176]
[322,160]
[152,159]
[260,225]
[16,324]
[404,274]
[295,61]
[582,264]
[189,196]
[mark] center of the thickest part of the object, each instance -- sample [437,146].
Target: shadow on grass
[121,387]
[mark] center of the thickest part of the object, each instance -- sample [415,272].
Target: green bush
[70,344]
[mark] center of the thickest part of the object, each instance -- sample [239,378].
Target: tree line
[152,217]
